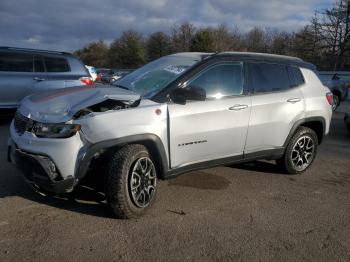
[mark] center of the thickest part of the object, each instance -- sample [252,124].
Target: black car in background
[104,75]
[108,76]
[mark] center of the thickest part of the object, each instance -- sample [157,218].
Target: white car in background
[92,71]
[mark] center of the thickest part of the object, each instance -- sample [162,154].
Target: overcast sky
[70,24]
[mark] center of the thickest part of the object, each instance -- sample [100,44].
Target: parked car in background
[104,75]
[176,114]
[338,86]
[119,75]
[347,119]
[26,71]
[92,71]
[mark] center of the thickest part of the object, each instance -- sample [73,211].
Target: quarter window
[14,62]
[297,75]
[221,80]
[55,65]
[269,77]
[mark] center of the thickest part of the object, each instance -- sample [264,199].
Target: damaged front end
[106,105]
[46,142]
[61,106]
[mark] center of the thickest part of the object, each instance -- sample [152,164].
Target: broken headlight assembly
[55,130]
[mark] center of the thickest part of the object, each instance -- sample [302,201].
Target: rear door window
[38,64]
[268,77]
[56,64]
[16,62]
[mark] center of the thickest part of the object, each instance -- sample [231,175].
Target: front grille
[21,123]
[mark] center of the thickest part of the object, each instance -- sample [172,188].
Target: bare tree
[182,37]
[225,39]
[281,42]
[333,26]
[256,40]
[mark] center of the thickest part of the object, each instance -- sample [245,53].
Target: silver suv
[179,113]
[27,71]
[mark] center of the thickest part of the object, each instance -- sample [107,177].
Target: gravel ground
[246,212]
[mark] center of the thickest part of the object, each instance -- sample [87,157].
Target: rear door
[58,73]
[16,77]
[215,128]
[277,102]
[40,78]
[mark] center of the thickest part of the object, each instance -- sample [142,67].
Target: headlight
[55,130]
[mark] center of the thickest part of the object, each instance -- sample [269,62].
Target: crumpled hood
[61,105]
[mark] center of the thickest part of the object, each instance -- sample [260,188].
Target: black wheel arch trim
[161,156]
[300,122]
[91,150]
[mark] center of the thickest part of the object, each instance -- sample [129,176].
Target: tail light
[86,80]
[347,84]
[98,77]
[329,97]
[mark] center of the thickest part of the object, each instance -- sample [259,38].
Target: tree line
[324,41]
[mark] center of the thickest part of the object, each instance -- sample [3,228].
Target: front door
[215,128]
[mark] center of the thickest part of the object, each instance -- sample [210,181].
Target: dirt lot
[245,212]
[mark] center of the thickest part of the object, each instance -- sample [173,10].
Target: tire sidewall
[288,155]
[138,211]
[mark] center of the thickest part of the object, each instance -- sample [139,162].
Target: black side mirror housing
[181,95]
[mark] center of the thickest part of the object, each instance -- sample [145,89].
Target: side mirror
[181,95]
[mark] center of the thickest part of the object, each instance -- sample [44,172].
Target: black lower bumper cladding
[40,171]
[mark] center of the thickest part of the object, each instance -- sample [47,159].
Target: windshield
[153,77]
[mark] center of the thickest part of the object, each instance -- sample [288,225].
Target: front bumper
[47,164]
[65,153]
[40,171]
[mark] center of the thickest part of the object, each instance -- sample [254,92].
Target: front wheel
[131,181]
[300,152]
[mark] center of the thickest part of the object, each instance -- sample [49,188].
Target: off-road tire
[285,162]
[117,190]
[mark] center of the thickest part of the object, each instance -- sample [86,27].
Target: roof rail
[33,50]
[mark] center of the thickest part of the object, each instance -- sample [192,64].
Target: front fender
[151,141]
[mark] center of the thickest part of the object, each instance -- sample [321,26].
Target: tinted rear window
[269,77]
[38,64]
[14,62]
[56,64]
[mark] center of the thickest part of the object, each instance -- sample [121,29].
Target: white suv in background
[179,113]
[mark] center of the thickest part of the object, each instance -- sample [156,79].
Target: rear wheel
[131,181]
[300,152]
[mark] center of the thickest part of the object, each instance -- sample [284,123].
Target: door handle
[39,79]
[294,100]
[238,107]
